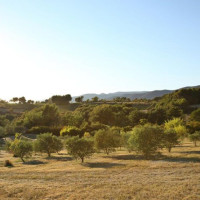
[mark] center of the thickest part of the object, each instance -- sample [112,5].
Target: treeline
[146,139]
[93,117]
[94,127]
[88,118]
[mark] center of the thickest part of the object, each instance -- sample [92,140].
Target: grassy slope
[118,176]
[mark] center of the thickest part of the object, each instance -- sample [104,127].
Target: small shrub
[44,129]
[2,132]
[71,131]
[8,163]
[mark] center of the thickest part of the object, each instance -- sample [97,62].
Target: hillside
[132,95]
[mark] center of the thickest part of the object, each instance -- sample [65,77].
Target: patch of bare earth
[174,176]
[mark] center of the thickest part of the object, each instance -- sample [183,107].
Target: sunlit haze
[76,47]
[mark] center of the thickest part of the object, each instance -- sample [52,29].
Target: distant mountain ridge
[132,95]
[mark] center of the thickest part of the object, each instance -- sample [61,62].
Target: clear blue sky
[68,46]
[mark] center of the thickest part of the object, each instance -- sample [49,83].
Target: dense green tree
[193,126]
[14,99]
[174,111]
[20,147]
[146,139]
[157,116]
[79,99]
[95,99]
[195,115]
[195,137]
[61,100]
[125,138]
[170,138]
[47,115]
[80,147]
[50,115]
[75,118]
[30,102]
[107,140]
[2,132]
[178,126]
[71,131]
[121,99]
[22,100]
[93,127]
[102,114]
[135,116]
[48,143]
[33,118]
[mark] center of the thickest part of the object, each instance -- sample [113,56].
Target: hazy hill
[132,95]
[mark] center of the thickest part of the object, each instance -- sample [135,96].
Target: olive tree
[107,140]
[195,137]
[20,147]
[80,147]
[48,143]
[146,139]
[170,139]
[178,125]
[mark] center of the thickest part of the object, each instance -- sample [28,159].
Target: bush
[8,163]
[195,137]
[21,148]
[71,131]
[80,147]
[195,115]
[8,144]
[125,137]
[193,126]
[146,139]
[178,126]
[2,132]
[170,139]
[48,143]
[44,129]
[107,140]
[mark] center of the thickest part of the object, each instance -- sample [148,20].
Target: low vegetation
[98,134]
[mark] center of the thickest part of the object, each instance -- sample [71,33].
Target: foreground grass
[117,176]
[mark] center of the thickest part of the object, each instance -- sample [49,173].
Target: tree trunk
[195,143]
[82,160]
[22,160]
[49,154]
[169,149]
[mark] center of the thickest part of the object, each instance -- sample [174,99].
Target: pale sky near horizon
[50,47]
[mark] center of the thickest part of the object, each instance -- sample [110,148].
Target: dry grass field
[119,176]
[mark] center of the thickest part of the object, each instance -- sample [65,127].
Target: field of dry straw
[119,176]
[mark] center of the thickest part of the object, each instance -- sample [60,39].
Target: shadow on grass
[60,158]
[61,154]
[127,157]
[103,165]
[181,159]
[158,157]
[190,152]
[34,162]
[182,146]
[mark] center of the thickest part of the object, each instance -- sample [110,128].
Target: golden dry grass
[174,176]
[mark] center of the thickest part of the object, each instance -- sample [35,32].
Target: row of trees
[146,139]
[21,100]
[86,118]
